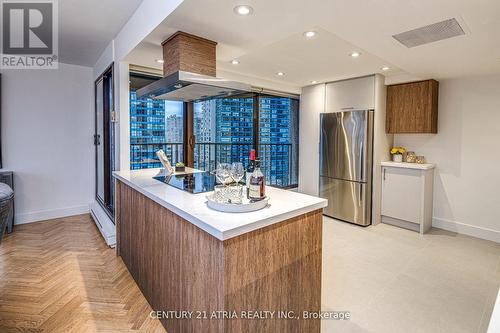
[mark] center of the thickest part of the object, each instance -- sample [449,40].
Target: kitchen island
[208,271]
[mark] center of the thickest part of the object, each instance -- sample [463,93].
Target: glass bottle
[249,171]
[257,189]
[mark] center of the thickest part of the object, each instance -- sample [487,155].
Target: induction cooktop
[190,182]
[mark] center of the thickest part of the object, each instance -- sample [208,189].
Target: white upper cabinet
[351,94]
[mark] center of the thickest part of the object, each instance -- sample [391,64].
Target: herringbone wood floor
[59,276]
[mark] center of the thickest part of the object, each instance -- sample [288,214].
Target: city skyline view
[224,131]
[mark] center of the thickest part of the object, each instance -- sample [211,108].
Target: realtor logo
[29,34]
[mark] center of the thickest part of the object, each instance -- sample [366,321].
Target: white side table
[407,195]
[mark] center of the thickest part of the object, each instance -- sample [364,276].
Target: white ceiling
[271,39]
[87,26]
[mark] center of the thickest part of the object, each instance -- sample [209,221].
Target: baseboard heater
[104,224]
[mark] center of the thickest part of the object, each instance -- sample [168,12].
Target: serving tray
[244,207]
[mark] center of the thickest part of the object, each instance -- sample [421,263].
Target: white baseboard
[104,224]
[42,215]
[466,229]
[400,223]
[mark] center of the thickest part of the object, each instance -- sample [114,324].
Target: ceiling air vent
[430,33]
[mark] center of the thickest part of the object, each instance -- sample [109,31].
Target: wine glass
[237,171]
[223,173]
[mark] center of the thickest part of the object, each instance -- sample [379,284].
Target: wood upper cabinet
[412,107]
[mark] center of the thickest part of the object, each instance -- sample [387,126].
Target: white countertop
[424,166]
[283,205]
[494,325]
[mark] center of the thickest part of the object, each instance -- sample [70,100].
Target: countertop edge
[271,221]
[494,324]
[404,165]
[197,222]
[223,235]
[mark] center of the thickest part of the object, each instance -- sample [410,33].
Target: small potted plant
[397,154]
[180,167]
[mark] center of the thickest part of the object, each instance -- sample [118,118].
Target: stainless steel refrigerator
[346,149]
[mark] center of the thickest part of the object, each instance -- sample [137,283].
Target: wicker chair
[6,200]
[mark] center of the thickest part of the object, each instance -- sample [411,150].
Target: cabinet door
[357,94]
[412,107]
[402,194]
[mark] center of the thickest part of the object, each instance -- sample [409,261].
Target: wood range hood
[189,70]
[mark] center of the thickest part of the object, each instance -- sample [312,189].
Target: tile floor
[395,280]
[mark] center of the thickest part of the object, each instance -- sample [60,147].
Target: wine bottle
[250,170]
[257,188]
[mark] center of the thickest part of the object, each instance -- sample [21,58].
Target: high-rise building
[147,130]
[278,138]
[234,120]
[204,133]
[174,125]
[154,125]
[204,121]
[234,128]
[224,130]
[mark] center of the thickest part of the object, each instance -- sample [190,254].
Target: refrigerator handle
[384,173]
[361,193]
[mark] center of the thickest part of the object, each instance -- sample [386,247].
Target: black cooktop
[191,182]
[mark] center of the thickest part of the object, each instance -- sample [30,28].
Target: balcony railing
[277,160]
[143,155]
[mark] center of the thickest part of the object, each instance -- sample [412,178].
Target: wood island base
[183,271]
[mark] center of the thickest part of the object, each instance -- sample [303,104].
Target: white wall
[48,123]
[382,143]
[105,60]
[312,103]
[47,127]
[145,19]
[122,104]
[466,151]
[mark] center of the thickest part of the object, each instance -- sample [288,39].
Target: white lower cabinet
[407,195]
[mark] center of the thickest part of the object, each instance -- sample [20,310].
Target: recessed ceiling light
[309,34]
[280,73]
[235,62]
[243,10]
[355,54]
[160,61]
[385,68]
[314,81]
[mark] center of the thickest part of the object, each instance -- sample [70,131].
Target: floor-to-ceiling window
[223,130]
[226,129]
[278,139]
[154,124]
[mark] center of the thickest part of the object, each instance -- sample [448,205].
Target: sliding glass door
[104,141]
